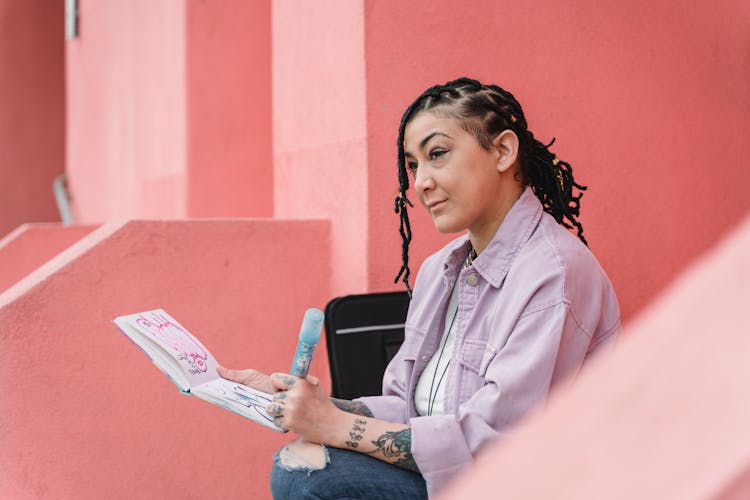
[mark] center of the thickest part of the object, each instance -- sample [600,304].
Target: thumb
[226,373]
[313,380]
[246,377]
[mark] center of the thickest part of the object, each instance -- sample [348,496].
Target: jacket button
[472,280]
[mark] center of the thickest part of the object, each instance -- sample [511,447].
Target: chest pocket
[472,359]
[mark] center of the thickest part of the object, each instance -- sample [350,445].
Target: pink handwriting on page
[173,335]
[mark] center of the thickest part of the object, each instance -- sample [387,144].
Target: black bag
[363,333]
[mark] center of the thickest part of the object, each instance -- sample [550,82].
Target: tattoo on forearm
[352,407]
[396,445]
[356,433]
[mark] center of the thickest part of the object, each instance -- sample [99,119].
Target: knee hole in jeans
[302,456]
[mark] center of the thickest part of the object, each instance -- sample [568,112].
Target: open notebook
[190,366]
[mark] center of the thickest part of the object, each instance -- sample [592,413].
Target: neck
[482,233]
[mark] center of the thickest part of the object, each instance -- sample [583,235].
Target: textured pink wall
[169,110]
[31,245]
[126,97]
[320,126]
[648,103]
[228,79]
[86,415]
[664,415]
[32,107]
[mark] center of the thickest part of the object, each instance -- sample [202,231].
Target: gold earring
[558,173]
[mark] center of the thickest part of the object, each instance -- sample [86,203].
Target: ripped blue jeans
[345,475]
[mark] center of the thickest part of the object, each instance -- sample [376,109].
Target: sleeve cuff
[389,408]
[439,460]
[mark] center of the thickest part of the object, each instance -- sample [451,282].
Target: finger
[275,410]
[283,381]
[278,422]
[278,396]
[228,374]
[313,380]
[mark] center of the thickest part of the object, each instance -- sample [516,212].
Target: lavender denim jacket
[532,307]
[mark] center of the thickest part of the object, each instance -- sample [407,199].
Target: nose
[423,181]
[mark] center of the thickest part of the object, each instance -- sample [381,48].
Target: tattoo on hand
[352,407]
[276,410]
[396,445]
[356,433]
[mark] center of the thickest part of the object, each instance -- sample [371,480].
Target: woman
[497,317]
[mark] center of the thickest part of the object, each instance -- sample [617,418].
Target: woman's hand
[303,407]
[251,378]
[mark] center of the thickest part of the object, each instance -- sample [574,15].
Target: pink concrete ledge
[84,414]
[30,245]
[663,415]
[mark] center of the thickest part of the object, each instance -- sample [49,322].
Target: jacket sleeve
[518,377]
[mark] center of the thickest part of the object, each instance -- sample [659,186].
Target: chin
[446,227]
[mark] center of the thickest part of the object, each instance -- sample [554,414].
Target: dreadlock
[485,111]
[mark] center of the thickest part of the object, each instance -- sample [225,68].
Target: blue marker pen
[308,339]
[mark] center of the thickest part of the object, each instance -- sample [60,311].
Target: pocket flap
[472,353]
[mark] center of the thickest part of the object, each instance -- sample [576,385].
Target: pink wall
[32,107]
[169,115]
[169,110]
[662,416]
[126,133]
[228,46]
[86,415]
[31,245]
[320,126]
[648,103]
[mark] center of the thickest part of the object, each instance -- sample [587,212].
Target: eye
[412,167]
[437,153]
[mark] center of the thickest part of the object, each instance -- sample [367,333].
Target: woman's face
[457,181]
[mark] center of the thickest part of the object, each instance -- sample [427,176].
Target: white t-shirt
[428,396]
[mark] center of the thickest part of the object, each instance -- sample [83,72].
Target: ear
[506,145]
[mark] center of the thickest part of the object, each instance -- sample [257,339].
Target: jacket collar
[495,261]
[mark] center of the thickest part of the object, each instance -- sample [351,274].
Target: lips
[436,204]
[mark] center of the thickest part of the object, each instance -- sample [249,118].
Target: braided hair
[485,111]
